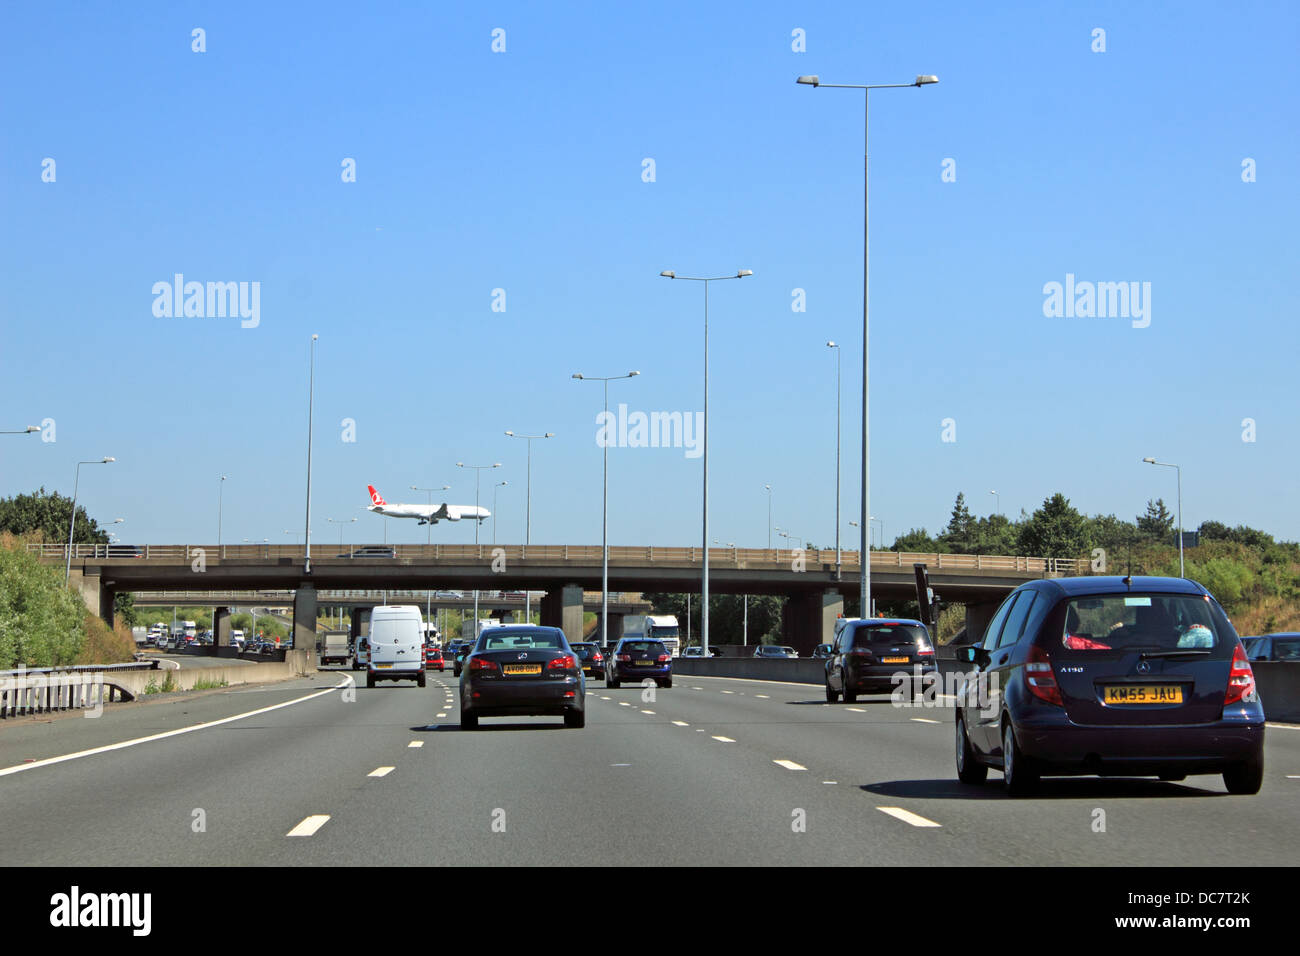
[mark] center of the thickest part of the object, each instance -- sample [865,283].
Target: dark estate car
[1134,676]
[868,654]
[593,659]
[522,670]
[638,659]
[1273,647]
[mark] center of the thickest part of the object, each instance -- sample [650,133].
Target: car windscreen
[513,642]
[865,635]
[1120,623]
[643,648]
[1286,648]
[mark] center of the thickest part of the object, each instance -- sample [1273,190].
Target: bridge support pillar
[304,619]
[99,600]
[571,599]
[221,627]
[360,624]
[832,610]
[803,620]
[615,628]
[978,617]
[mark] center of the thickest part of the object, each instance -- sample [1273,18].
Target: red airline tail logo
[375,497]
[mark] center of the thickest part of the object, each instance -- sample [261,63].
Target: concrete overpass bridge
[814,583]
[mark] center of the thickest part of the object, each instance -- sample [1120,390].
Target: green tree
[1056,530]
[1157,523]
[918,540]
[47,513]
[961,527]
[42,623]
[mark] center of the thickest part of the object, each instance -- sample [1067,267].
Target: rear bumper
[882,678]
[396,672]
[522,698]
[1144,749]
[624,672]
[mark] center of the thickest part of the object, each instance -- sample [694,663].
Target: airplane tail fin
[375,497]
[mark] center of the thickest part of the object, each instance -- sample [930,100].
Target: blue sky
[522,171]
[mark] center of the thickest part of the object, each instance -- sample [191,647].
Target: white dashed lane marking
[907,816]
[725,740]
[381,772]
[856,710]
[309,825]
[924,720]
[789,765]
[681,723]
[416,743]
[647,711]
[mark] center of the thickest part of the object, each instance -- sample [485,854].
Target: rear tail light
[1040,678]
[924,649]
[564,662]
[860,652]
[1241,679]
[663,658]
[625,657]
[597,658]
[483,664]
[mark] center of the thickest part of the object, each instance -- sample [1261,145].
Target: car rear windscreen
[1286,648]
[644,648]
[1150,622]
[866,635]
[521,642]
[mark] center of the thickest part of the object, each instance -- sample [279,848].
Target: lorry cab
[396,644]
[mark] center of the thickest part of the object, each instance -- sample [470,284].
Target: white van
[396,644]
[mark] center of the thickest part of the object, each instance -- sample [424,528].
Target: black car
[370,551]
[1133,676]
[638,659]
[1273,647]
[869,655]
[522,670]
[821,652]
[593,659]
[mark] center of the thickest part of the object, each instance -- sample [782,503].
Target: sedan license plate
[894,660]
[1143,694]
[523,669]
[645,663]
[383,665]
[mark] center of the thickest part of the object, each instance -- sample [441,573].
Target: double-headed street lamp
[768,489]
[814,81]
[1179,470]
[704,597]
[528,512]
[604,508]
[478,471]
[67,570]
[340,522]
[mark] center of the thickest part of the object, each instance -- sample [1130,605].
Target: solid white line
[789,765]
[381,772]
[856,710]
[309,825]
[416,743]
[924,720]
[170,733]
[725,740]
[681,723]
[907,816]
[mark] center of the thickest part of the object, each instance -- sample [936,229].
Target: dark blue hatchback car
[636,659]
[1134,676]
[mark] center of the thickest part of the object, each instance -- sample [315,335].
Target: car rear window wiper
[1185,652]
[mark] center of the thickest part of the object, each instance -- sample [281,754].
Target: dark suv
[593,659]
[635,659]
[868,655]
[1134,676]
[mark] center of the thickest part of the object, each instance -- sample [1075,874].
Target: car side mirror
[967,655]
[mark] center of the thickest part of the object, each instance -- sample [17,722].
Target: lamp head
[744,272]
[926,79]
[813,80]
[511,434]
[577,375]
[668,274]
[1149,461]
[633,374]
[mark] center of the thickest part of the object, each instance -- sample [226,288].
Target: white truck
[333,647]
[654,627]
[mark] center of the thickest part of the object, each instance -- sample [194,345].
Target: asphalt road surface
[711,771]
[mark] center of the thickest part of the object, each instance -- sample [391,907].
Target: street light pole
[478,470]
[604,507]
[838,555]
[528,514]
[495,488]
[311,398]
[67,570]
[704,596]
[997,499]
[29,430]
[769,516]
[1151,461]
[814,81]
[221,489]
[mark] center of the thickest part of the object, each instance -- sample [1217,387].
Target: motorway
[712,771]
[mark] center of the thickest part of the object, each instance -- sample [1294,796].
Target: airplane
[427,514]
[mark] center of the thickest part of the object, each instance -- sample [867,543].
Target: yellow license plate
[1143,694]
[383,665]
[645,663]
[524,669]
[895,660]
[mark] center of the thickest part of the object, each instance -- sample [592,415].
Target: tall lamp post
[838,555]
[428,540]
[478,471]
[997,502]
[341,522]
[72,522]
[528,514]
[814,81]
[768,489]
[604,508]
[495,488]
[1179,470]
[704,538]
[221,490]
[29,430]
[311,397]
